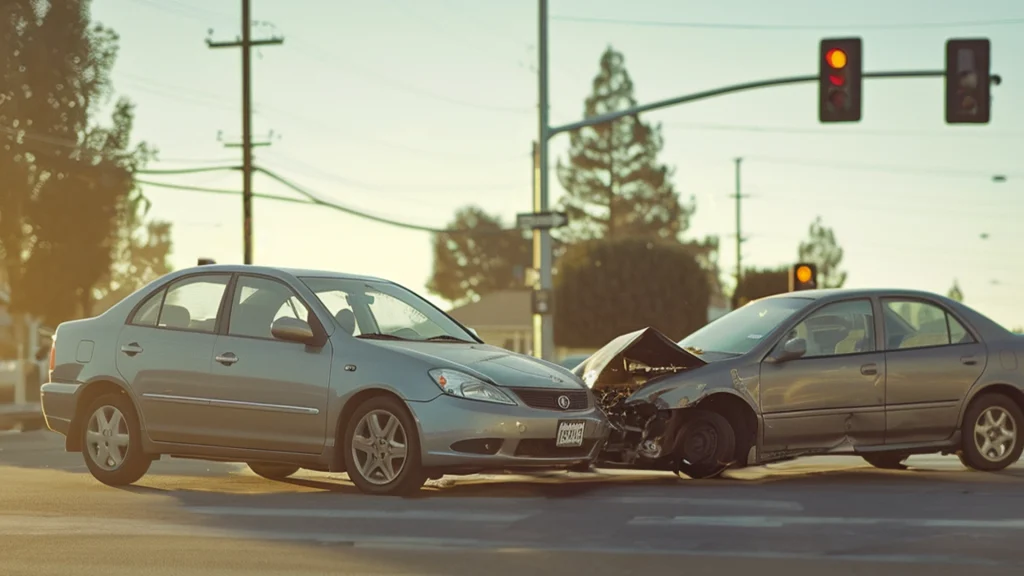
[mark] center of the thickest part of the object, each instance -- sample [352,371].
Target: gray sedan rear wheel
[382,448]
[992,433]
[273,471]
[112,441]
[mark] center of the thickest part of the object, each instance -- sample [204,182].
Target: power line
[403,87]
[783,27]
[188,170]
[893,169]
[826,132]
[315,199]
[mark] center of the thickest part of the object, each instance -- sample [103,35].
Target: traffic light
[967,81]
[839,82]
[803,276]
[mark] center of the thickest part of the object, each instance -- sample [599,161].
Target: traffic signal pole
[544,326]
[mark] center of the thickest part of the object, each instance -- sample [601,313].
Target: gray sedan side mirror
[473,332]
[791,350]
[292,330]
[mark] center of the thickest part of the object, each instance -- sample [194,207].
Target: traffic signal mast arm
[602,118]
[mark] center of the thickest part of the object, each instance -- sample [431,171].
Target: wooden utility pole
[246,43]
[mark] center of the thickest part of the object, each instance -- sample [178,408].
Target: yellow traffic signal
[836,58]
[840,78]
[803,276]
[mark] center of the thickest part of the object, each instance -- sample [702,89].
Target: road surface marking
[11,525]
[497,517]
[710,502]
[783,521]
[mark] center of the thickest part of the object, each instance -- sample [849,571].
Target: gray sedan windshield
[370,309]
[740,330]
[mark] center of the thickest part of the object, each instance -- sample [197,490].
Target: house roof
[505,309]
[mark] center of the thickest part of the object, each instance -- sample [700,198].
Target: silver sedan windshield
[372,309]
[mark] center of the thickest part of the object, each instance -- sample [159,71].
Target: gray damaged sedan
[883,374]
[286,369]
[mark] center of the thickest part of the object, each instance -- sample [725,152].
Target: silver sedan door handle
[227,359]
[132,349]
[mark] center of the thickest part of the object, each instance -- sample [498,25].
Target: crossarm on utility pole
[601,119]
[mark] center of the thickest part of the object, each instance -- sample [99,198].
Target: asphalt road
[832,515]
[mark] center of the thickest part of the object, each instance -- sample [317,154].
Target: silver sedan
[287,369]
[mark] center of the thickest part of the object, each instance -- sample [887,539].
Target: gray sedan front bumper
[460,433]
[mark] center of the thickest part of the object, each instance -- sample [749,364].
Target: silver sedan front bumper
[460,433]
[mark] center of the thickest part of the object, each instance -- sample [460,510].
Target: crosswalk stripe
[784,521]
[363,514]
[706,502]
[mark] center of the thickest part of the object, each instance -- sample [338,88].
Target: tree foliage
[615,186]
[67,188]
[822,249]
[955,292]
[606,288]
[758,283]
[479,256]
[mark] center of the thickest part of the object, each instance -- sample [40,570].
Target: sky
[411,109]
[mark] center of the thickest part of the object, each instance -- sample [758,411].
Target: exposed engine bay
[642,432]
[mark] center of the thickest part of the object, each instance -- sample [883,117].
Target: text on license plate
[570,433]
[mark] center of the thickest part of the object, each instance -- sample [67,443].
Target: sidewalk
[14,414]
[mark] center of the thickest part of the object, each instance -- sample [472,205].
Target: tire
[359,456]
[995,414]
[272,471]
[129,463]
[886,461]
[707,445]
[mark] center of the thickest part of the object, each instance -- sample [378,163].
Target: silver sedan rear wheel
[111,440]
[382,449]
[107,437]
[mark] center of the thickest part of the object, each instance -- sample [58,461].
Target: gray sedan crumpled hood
[646,351]
[503,367]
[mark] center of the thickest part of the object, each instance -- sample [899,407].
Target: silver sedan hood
[501,366]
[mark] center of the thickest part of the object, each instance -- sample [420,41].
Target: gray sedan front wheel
[382,448]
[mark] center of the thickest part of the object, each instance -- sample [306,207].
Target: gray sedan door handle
[969,360]
[132,349]
[869,369]
[227,359]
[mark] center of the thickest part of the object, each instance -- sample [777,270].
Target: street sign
[542,302]
[541,220]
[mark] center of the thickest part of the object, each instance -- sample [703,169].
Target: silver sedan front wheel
[379,447]
[382,448]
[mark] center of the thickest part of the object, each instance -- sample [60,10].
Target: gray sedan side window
[916,324]
[837,329]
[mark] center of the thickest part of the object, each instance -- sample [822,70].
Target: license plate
[570,433]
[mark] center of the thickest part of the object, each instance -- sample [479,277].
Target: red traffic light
[836,58]
[836,79]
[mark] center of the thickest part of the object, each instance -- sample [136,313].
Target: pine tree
[615,187]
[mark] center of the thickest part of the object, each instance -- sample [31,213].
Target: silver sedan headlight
[455,383]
